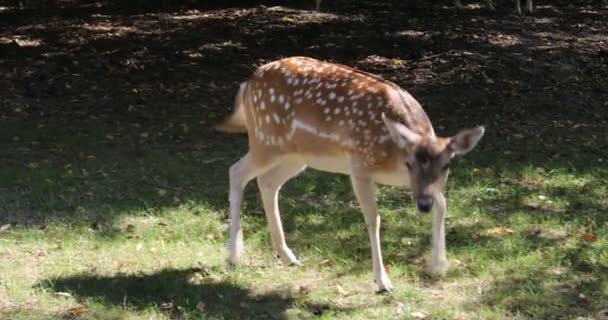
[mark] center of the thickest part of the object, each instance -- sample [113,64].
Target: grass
[116,218]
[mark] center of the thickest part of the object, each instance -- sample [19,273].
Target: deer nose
[424,204]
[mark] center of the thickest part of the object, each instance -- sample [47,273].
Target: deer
[528,6]
[300,112]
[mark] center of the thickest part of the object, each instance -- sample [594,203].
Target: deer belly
[335,164]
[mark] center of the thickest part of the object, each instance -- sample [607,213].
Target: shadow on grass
[560,293]
[186,291]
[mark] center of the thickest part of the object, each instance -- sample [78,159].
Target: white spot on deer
[332,96]
[296,124]
[297,100]
[296,81]
[267,119]
[340,98]
[281,98]
[336,110]
[277,120]
[305,81]
[262,105]
[286,105]
[326,110]
[271,90]
[328,118]
[318,94]
[341,123]
[272,98]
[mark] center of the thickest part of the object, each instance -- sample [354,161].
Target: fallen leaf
[119,264]
[77,310]
[200,307]
[167,306]
[418,315]
[40,253]
[399,308]
[387,268]
[4,227]
[304,289]
[589,237]
[499,231]
[534,232]
[63,294]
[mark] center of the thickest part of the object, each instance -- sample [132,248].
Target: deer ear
[401,135]
[466,140]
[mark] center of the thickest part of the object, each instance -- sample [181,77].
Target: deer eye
[445,167]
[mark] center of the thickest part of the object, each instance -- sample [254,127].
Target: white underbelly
[329,164]
[342,165]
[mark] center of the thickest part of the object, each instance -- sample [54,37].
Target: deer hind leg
[365,193]
[240,173]
[270,184]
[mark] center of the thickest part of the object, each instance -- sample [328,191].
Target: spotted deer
[300,112]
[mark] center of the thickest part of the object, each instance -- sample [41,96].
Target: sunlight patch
[190,15]
[109,29]
[504,40]
[21,41]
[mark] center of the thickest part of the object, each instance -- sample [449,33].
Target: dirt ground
[472,66]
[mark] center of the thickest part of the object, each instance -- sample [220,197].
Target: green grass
[128,219]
